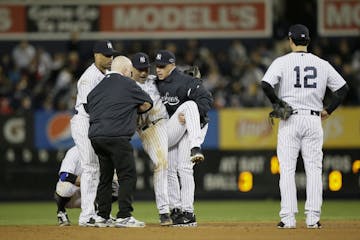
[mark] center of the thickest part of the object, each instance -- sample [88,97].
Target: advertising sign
[339,17]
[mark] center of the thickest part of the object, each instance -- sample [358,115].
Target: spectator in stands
[23,54]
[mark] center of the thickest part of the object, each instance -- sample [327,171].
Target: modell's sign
[339,17]
[197,19]
[140,19]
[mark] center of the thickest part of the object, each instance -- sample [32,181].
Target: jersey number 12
[310,73]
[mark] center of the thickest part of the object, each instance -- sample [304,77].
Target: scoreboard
[32,174]
[256,174]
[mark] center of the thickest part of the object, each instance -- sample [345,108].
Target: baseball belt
[311,112]
[150,124]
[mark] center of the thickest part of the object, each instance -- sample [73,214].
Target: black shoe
[315,226]
[196,156]
[165,219]
[186,219]
[190,218]
[175,214]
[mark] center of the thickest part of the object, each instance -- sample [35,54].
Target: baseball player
[152,132]
[103,52]
[67,193]
[185,95]
[302,78]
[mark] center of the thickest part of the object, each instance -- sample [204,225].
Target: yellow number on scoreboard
[245,181]
[356,166]
[335,181]
[274,165]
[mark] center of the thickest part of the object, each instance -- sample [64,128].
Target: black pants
[115,153]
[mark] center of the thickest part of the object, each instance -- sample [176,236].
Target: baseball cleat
[102,222]
[90,223]
[315,226]
[186,219]
[175,213]
[165,219]
[63,219]
[282,225]
[196,156]
[129,222]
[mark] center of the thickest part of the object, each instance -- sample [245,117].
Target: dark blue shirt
[178,88]
[112,106]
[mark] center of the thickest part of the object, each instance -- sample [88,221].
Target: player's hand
[324,115]
[181,117]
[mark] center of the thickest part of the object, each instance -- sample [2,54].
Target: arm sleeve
[337,98]
[269,92]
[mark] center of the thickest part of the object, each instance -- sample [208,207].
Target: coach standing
[113,106]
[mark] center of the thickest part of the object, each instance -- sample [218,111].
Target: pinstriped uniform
[79,131]
[181,139]
[180,173]
[155,142]
[70,164]
[303,79]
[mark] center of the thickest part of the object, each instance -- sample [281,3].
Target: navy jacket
[112,106]
[178,88]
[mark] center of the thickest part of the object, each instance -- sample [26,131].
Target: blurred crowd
[35,78]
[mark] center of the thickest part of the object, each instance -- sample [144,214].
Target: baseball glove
[281,110]
[193,71]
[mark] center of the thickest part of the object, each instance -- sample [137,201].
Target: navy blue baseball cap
[164,57]
[299,32]
[140,60]
[104,47]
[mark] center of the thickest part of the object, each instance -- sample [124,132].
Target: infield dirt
[346,230]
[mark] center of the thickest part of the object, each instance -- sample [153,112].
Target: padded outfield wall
[240,154]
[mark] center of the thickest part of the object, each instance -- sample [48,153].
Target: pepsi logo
[59,130]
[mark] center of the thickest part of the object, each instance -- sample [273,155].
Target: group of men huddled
[116,98]
[169,112]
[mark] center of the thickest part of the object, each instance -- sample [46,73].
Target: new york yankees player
[182,94]
[152,132]
[103,52]
[303,79]
[67,193]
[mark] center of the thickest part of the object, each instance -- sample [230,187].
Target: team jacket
[113,106]
[178,88]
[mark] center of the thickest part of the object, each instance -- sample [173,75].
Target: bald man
[113,106]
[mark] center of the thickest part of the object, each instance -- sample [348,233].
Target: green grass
[44,213]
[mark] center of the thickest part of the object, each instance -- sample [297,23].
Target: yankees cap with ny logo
[140,60]
[164,57]
[104,47]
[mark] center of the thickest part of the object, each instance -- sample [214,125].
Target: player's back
[303,80]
